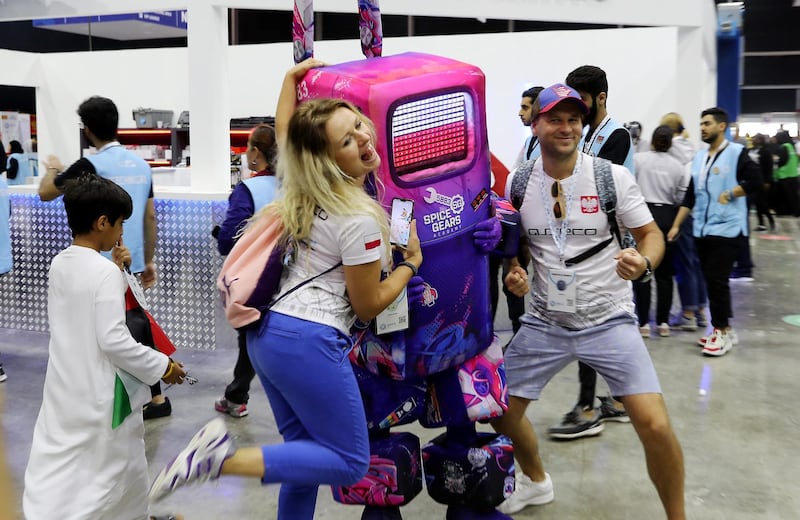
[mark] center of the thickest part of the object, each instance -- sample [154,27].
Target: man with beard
[530,150]
[722,177]
[608,139]
[581,302]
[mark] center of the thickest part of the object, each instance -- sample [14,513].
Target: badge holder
[561,290]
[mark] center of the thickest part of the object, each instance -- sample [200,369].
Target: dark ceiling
[771,53]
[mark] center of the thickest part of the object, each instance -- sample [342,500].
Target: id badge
[136,288]
[561,290]
[394,317]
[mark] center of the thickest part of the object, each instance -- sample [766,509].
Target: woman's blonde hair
[674,121]
[311,180]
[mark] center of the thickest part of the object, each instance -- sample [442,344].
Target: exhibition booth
[667,63]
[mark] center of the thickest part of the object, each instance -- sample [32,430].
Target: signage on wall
[128,26]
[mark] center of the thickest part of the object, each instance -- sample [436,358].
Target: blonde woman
[327,149]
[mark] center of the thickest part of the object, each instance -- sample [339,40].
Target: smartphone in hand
[402,213]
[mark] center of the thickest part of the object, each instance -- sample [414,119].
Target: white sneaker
[732,335]
[201,460]
[718,344]
[663,330]
[644,330]
[527,493]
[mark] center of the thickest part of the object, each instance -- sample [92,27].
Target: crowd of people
[660,208]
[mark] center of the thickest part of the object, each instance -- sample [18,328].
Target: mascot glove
[415,289]
[487,234]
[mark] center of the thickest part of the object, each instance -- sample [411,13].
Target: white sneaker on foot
[644,330]
[718,344]
[663,330]
[199,461]
[527,493]
[732,336]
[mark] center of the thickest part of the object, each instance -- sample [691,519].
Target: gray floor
[740,440]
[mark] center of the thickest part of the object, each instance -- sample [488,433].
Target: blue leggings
[304,369]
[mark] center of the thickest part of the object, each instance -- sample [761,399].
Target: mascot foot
[382,513]
[463,513]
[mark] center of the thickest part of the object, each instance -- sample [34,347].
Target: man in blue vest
[608,139]
[5,241]
[722,177]
[100,118]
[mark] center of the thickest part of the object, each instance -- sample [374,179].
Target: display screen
[429,132]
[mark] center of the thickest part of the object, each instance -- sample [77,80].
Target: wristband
[409,265]
[169,370]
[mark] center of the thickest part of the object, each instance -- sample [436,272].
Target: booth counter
[184,300]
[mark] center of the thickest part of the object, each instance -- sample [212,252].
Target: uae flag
[145,330]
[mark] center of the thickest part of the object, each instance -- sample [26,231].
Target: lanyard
[587,145]
[710,160]
[559,234]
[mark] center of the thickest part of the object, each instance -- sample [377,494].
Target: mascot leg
[469,471]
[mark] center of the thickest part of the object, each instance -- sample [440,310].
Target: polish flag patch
[372,241]
[590,204]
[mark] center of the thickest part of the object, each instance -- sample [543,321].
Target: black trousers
[664,215]
[243,373]
[516,305]
[717,255]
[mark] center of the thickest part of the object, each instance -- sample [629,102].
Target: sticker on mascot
[448,219]
[429,295]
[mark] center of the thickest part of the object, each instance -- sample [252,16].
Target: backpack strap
[607,194]
[299,285]
[520,183]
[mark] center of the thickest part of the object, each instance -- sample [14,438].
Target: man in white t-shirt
[581,306]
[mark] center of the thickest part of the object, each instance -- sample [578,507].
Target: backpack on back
[252,270]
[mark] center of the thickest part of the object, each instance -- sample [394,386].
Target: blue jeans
[305,372]
[688,273]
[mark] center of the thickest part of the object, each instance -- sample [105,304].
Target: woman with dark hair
[245,200]
[663,181]
[17,167]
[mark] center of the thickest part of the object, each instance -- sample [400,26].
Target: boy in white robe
[87,462]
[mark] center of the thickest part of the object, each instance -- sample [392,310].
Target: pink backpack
[251,274]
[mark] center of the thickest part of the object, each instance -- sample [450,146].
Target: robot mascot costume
[434,360]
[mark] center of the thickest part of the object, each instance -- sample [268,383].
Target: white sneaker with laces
[199,461]
[528,493]
[732,335]
[718,344]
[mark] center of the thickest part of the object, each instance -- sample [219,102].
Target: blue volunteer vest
[711,217]
[133,174]
[5,228]
[262,189]
[601,134]
[24,170]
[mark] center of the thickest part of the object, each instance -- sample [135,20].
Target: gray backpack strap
[520,183]
[607,194]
